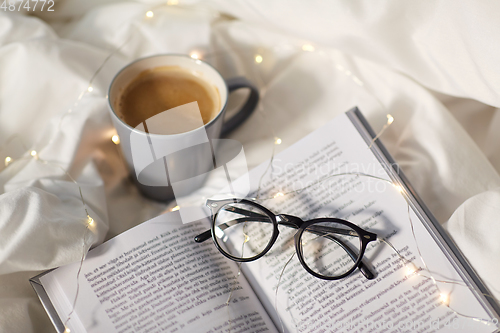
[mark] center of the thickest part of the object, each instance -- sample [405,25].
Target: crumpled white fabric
[432,64]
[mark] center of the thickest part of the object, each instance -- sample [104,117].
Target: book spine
[441,237]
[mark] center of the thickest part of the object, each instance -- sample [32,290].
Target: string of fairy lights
[90,224]
[411,268]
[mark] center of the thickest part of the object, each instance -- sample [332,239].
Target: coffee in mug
[163,88]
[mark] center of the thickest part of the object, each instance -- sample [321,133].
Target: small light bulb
[116,139]
[8,159]
[279,194]
[258,58]
[90,220]
[277,141]
[443,298]
[175,208]
[90,89]
[390,119]
[358,81]
[149,14]
[67,330]
[308,47]
[33,153]
[194,55]
[410,269]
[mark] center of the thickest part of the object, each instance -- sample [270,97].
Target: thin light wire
[111,54]
[84,251]
[277,287]
[390,120]
[324,179]
[45,162]
[236,277]
[89,218]
[355,79]
[233,288]
[434,280]
[69,111]
[484,321]
[37,158]
[71,178]
[265,172]
[405,260]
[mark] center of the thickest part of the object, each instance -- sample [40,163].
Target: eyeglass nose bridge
[281,218]
[289,220]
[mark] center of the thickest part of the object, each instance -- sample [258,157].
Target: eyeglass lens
[242,230]
[330,249]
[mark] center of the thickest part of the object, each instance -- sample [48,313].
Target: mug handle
[246,110]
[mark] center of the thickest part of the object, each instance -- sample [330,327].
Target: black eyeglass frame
[295,222]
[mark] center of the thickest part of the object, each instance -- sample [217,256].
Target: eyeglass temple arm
[223,226]
[318,230]
[289,222]
[208,234]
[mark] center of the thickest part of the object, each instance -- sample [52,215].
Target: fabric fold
[317,60]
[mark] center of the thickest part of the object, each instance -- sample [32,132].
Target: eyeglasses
[328,248]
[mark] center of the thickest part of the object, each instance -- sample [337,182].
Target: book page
[155,278]
[396,300]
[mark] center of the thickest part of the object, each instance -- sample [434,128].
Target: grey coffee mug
[164,166]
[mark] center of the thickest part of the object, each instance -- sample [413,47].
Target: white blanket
[433,65]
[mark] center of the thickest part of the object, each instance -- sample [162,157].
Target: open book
[155,278]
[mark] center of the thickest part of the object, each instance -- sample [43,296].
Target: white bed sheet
[433,65]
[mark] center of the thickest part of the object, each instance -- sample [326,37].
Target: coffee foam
[183,118]
[160,89]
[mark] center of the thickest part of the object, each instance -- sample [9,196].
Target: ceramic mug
[164,166]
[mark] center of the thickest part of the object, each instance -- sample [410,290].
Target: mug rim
[178,55]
